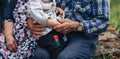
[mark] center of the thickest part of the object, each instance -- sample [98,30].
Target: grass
[115,14]
[115,22]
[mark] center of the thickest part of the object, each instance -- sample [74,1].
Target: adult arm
[99,21]
[8,24]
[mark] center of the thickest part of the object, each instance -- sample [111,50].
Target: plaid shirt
[94,14]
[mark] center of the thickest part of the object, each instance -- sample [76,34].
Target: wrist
[52,23]
[76,24]
[48,22]
[9,36]
[80,27]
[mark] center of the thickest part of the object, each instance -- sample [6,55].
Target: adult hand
[66,26]
[11,43]
[35,29]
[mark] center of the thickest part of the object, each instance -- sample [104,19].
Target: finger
[37,26]
[14,47]
[63,13]
[59,30]
[30,23]
[58,27]
[36,36]
[34,22]
[9,47]
[36,33]
[61,21]
[38,29]
[62,26]
[30,26]
[66,31]
[56,11]
[63,32]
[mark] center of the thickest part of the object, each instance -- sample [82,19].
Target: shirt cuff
[8,20]
[43,21]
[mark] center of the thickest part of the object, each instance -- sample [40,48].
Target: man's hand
[35,29]
[66,26]
[11,43]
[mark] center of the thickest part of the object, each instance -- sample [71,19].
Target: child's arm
[36,12]
[52,23]
[8,25]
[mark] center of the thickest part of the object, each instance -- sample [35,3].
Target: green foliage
[115,14]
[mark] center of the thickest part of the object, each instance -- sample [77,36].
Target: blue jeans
[79,47]
[40,53]
[48,43]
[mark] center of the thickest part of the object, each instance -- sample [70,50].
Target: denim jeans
[79,46]
[40,53]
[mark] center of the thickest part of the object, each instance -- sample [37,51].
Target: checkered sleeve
[100,19]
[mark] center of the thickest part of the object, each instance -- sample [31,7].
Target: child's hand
[11,43]
[52,23]
[59,11]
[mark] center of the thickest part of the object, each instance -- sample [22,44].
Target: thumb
[15,44]
[56,11]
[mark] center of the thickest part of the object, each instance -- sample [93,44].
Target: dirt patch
[109,46]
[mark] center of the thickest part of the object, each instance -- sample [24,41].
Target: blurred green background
[115,14]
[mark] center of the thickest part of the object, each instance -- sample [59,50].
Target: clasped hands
[65,26]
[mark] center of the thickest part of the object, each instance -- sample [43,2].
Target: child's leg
[48,43]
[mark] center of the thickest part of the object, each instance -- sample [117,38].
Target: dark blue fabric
[2,3]
[94,14]
[79,47]
[48,42]
[8,10]
[40,53]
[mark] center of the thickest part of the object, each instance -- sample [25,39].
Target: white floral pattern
[26,43]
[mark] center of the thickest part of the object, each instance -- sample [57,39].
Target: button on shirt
[94,14]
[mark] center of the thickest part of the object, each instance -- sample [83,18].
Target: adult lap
[79,47]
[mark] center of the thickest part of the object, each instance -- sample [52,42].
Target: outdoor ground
[109,46]
[109,41]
